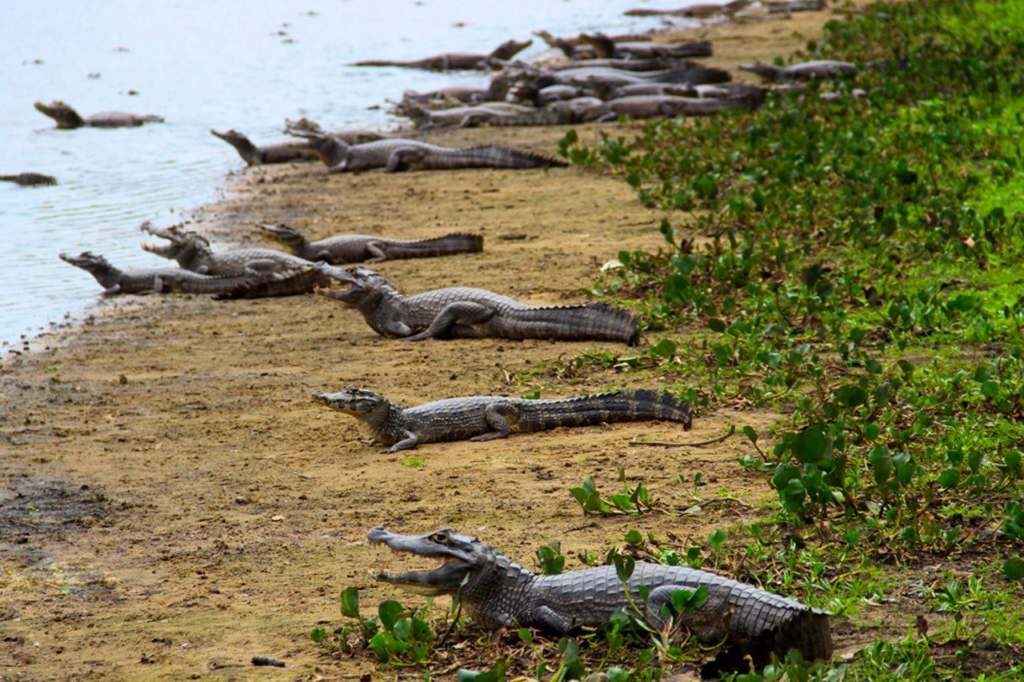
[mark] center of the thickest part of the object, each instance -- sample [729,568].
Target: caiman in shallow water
[451,61]
[282,152]
[499,593]
[67,118]
[467,313]
[481,418]
[364,248]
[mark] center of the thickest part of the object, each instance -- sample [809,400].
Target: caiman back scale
[480,418]
[498,593]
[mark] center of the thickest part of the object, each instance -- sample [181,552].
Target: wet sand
[172,501]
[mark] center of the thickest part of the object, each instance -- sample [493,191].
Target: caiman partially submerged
[452,61]
[29,179]
[282,152]
[167,280]
[399,155]
[499,593]
[67,118]
[467,313]
[481,418]
[362,248]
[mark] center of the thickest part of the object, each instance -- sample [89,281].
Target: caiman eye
[440,538]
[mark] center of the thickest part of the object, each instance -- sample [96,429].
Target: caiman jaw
[454,552]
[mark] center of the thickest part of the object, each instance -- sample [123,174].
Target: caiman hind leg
[463,313]
[377,252]
[711,622]
[406,158]
[499,416]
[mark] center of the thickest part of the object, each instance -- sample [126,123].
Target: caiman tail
[439,246]
[288,284]
[591,321]
[618,406]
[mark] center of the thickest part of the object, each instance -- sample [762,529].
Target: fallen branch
[699,444]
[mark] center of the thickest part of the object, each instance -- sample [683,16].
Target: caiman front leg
[410,441]
[463,313]
[496,416]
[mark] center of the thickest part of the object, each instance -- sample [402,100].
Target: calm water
[243,64]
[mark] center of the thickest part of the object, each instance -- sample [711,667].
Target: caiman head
[181,240]
[237,140]
[333,151]
[284,234]
[90,262]
[509,49]
[364,285]
[64,115]
[463,560]
[357,402]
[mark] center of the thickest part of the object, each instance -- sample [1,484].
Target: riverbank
[174,503]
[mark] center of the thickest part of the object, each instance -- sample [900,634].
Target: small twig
[699,444]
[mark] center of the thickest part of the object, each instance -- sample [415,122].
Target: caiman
[702,10]
[499,593]
[481,418]
[608,48]
[166,280]
[29,179]
[452,61]
[281,274]
[362,248]
[398,155]
[283,152]
[806,71]
[466,313]
[67,118]
[460,117]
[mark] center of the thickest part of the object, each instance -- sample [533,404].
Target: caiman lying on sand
[67,118]
[29,179]
[364,248]
[806,71]
[283,152]
[466,313]
[282,274]
[166,280]
[398,155]
[458,60]
[499,593]
[480,418]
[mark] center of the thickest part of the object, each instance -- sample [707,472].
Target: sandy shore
[173,503]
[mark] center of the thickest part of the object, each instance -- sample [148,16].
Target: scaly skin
[362,248]
[480,418]
[285,152]
[399,154]
[498,593]
[467,313]
[67,118]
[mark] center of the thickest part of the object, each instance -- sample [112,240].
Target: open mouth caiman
[499,593]
[480,418]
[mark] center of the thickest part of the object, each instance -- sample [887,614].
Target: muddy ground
[172,503]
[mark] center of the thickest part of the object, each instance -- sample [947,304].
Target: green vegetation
[853,262]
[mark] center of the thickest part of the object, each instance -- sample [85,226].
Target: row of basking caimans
[619,77]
